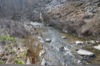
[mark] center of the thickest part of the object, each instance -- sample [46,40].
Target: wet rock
[84,52]
[97,47]
[48,40]
[63,49]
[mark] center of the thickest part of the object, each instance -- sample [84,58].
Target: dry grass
[93,27]
[34,48]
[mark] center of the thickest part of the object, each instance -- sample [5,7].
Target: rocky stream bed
[61,48]
[50,46]
[50,32]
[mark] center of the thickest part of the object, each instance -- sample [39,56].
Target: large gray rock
[84,52]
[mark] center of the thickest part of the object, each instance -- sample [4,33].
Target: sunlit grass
[7,38]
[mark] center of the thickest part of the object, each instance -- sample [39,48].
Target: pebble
[63,49]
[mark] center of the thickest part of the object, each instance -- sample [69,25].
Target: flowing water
[57,50]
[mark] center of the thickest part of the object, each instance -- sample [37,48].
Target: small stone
[79,42]
[43,62]
[63,49]
[78,61]
[28,61]
[97,41]
[41,52]
[48,40]
[92,41]
[97,47]
[84,52]
[63,37]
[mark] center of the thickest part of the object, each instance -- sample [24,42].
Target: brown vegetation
[34,48]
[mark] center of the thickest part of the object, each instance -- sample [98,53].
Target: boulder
[84,52]
[97,47]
